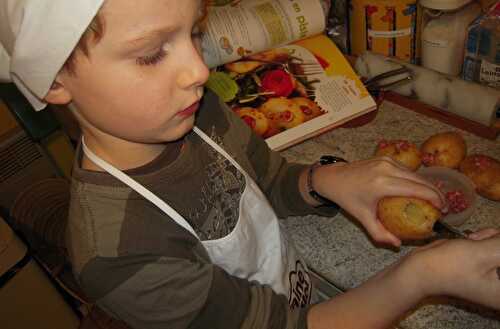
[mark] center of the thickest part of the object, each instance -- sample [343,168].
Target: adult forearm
[377,303]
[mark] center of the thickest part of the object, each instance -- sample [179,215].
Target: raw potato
[408,218]
[484,171]
[401,151]
[446,149]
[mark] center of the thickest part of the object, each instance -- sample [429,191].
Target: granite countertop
[339,249]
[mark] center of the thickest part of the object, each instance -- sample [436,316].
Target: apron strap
[219,149]
[136,186]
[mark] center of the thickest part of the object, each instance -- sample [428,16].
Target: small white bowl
[452,180]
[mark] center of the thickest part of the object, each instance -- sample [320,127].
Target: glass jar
[444,29]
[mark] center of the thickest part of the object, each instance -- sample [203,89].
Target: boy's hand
[466,269]
[357,187]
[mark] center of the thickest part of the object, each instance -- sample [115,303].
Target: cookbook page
[240,28]
[293,92]
[330,82]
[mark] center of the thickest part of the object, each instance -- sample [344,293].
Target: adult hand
[467,269]
[357,187]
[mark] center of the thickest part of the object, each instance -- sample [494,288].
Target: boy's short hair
[95,32]
[92,35]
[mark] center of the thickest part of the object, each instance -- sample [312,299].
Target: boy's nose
[194,73]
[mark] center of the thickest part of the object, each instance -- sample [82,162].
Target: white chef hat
[36,39]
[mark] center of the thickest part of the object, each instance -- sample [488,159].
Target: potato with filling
[308,107]
[484,171]
[446,149]
[401,151]
[282,112]
[408,218]
[254,119]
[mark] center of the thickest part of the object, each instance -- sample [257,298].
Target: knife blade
[447,231]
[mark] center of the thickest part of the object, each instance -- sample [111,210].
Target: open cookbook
[272,64]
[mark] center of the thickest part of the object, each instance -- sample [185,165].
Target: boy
[171,223]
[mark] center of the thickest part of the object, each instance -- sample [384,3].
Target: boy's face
[144,78]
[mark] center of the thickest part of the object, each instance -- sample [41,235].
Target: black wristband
[324,160]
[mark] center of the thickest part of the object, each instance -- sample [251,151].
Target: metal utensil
[446,231]
[389,79]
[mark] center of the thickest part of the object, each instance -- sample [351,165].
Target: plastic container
[482,52]
[444,30]
[452,180]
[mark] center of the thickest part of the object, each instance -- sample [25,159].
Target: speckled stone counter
[339,249]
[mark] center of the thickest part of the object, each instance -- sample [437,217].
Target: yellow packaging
[387,27]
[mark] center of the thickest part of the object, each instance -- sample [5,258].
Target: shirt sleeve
[153,292]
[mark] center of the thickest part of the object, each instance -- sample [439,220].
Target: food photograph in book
[273,91]
[291,93]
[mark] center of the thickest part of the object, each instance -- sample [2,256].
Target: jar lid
[444,4]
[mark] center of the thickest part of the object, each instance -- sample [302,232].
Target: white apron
[256,249]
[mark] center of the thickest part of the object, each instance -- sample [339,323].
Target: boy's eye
[157,57]
[152,59]
[197,32]
[197,36]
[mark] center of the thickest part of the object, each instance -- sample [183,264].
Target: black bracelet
[324,160]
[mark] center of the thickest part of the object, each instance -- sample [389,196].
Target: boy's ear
[58,94]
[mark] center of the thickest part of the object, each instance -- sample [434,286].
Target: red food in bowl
[458,191]
[456,201]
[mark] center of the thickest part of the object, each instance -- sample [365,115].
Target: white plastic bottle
[444,29]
